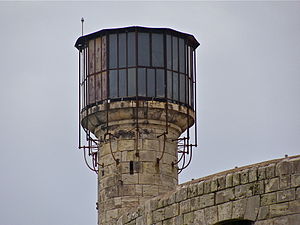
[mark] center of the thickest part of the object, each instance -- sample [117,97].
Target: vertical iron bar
[95,74]
[195,100]
[107,80]
[136,95]
[166,83]
[187,89]
[79,100]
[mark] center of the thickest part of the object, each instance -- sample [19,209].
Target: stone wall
[267,193]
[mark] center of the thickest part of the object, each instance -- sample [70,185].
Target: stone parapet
[267,193]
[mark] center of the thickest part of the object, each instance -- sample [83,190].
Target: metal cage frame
[91,143]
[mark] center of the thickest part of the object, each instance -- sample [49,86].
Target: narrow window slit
[131,167]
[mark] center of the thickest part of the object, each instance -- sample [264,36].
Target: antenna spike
[82,21]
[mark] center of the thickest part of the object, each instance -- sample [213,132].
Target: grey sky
[248,95]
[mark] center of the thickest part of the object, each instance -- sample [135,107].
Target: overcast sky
[248,95]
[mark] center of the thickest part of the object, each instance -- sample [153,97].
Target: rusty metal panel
[98,55]
[104,85]
[103,58]
[98,87]
[91,89]
[91,58]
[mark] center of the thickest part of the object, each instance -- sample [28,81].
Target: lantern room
[137,63]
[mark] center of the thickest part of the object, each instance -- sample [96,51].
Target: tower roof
[83,39]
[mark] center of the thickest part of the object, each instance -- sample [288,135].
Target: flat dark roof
[84,39]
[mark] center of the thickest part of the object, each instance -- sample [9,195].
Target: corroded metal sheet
[98,55]
[103,58]
[104,85]
[91,57]
[98,87]
[91,89]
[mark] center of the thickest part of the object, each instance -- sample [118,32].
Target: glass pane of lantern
[169,51]
[182,88]
[169,84]
[113,51]
[113,84]
[131,49]
[181,56]
[141,81]
[160,83]
[132,82]
[143,49]
[122,50]
[157,50]
[175,53]
[150,82]
[175,86]
[122,83]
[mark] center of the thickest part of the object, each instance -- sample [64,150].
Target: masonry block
[225,211]
[272,185]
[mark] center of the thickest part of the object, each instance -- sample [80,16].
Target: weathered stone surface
[211,215]
[280,209]
[185,206]
[214,184]
[200,188]
[178,220]
[229,178]
[192,191]
[181,195]
[236,179]
[188,218]
[158,215]
[298,193]
[225,196]
[252,208]
[239,208]
[280,220]
[295,180]
[199,218]
[258,187]
[206,200]
[207,187]
[294,206]
[140,221]
[296,165]
[272,185]
[268,199]
[261,173]
[270,171]
[195,203]
[286,195]
[263,213]
[294,219]
[244,177]
[283,168]
[225,211]
[221,182]
[284,182]
[243,191]
[171,211]
[253,174]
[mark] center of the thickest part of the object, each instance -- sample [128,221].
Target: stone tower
[137,93]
